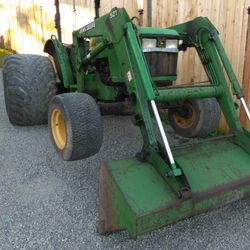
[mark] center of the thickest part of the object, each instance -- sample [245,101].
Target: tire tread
[29,86]
[83,124]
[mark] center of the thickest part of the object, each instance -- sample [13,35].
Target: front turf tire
[75,126]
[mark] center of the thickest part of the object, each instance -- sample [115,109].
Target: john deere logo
[162,43]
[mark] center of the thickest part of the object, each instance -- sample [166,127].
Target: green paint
[164,78]
[150,201]
[159,31]
[56,49]
[187,93]
[106,61]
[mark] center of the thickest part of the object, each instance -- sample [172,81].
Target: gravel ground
[46,203]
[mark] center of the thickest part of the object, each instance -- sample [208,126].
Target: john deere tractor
[114,60]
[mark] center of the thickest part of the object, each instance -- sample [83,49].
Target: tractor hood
[149,32]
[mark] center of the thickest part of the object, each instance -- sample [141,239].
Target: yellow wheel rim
[186,121]
[58,128]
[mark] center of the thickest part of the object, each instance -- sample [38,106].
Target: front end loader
[113,60]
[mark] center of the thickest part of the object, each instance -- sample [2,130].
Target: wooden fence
[25,25]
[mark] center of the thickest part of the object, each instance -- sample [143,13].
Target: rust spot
[107,222]
[221,189]
[198,197]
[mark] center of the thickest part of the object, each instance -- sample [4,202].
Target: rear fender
[62,63]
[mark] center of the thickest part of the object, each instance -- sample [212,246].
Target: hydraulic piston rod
[176,171]
[242,100]
[231,74]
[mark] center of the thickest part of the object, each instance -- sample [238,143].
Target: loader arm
[111,59]
[119,34]
[215,171]
[203,36]
[116,32]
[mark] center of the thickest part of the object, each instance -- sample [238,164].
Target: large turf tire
[29,86]
[196,118]
[75,126]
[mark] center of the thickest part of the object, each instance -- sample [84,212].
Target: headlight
[172,44]
[159,45]
[148,43]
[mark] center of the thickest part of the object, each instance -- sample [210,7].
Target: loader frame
[121,204]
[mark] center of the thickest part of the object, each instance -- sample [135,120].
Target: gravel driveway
[46,203]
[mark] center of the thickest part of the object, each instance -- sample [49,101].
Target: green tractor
[112,60]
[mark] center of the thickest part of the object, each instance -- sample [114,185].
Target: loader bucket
[135,197]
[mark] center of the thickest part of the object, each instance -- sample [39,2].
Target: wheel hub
[58,128]
[186,116]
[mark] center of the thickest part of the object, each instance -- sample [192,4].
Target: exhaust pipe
[97,7]
[58,21]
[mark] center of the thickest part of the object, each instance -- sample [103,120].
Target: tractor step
[134,196]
